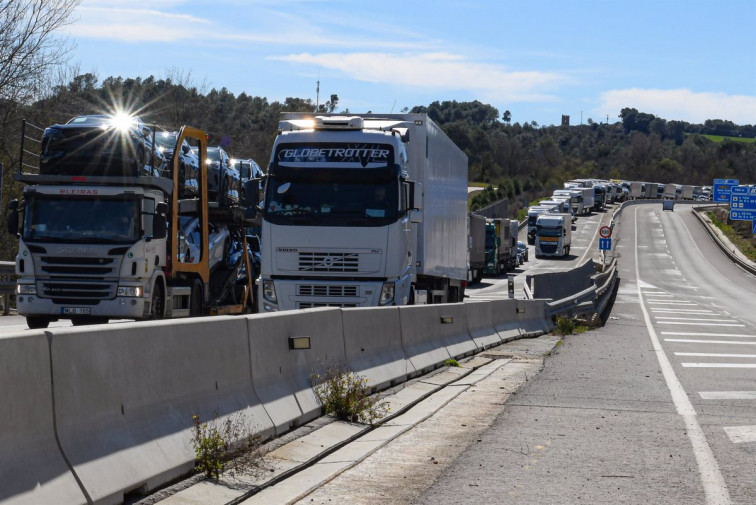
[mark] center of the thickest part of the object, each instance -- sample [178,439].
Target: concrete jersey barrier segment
[373,345]
[125,396]
[281,376]
[431,334]
[505,319]
[532,316]
[480,326]
[32,469]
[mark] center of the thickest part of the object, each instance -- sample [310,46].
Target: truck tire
[157,307]
[37,322]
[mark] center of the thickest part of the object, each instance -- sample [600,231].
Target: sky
[689,60]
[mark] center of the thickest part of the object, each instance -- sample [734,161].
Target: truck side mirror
[159,223]
[13,218]
[498,241]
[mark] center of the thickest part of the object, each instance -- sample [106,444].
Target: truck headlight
[269,291]
[132,291]
[387,293]
[27,289]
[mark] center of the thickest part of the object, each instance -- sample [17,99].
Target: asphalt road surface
[657,406]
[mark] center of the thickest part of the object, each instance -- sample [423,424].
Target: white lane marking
[741,434]
[736,325]
[712,480]
[694,341]
[714,355]
[684,311]
[728,395]
[689,334]
[664,318]
[688,304]
[718,365]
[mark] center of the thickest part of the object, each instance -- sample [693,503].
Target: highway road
[657,406]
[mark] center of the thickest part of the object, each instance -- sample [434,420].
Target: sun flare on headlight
[122,121]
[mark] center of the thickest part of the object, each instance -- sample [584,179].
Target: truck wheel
[195,309]
[158,301]
[37,322]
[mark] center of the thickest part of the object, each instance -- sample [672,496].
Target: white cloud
[682,104]
[439,71]
[135,25]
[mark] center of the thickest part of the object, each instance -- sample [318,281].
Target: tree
[29,50]
[506,117]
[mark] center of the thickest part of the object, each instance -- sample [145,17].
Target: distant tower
[565,120]
[317,96]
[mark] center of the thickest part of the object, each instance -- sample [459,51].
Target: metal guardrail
[592,299]
[719,242]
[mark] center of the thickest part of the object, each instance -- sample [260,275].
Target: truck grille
[548,248]
[77,279]
[308,305]
[329,262]
[326,290]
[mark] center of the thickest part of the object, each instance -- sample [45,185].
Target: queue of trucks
[359,210]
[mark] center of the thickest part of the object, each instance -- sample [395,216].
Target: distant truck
[687,193]
[576,199]
[476,242]
[501,245]
[670,192]
[553,235]
[586,193]
[533,213]
[636,190]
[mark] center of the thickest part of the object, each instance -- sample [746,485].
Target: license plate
[75,311]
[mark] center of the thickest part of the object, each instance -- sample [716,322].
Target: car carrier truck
[366,210]
[95,246]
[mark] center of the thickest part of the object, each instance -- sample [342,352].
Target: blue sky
[688,60]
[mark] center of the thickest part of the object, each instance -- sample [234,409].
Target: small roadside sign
[605,244]
[722,189]
[605,232]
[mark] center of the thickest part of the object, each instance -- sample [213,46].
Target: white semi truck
[553,235]
[360,211]
[105,244]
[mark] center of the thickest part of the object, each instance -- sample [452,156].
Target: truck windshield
[82,220]
[316,202]
[544,231]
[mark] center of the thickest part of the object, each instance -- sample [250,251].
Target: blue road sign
[743,190]
[742,202]
[722,189]
[605,244]
[742,215]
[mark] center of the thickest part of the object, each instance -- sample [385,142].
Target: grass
[720,138]
[740,237]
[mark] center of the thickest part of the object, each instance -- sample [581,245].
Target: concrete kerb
[373,345]
[280,375]
[505,319]
[431,334]
[125,396]
[532,317]
[480,324]
[32,468]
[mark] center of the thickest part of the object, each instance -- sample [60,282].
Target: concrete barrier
[431,334]
[531,315]
[32,469]
[373,345]
[480,324]
[281,376]
[125,395]
[505,319]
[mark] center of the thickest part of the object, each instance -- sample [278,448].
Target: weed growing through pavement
[346,395]
[564,326]
[451,362]
[224,444]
